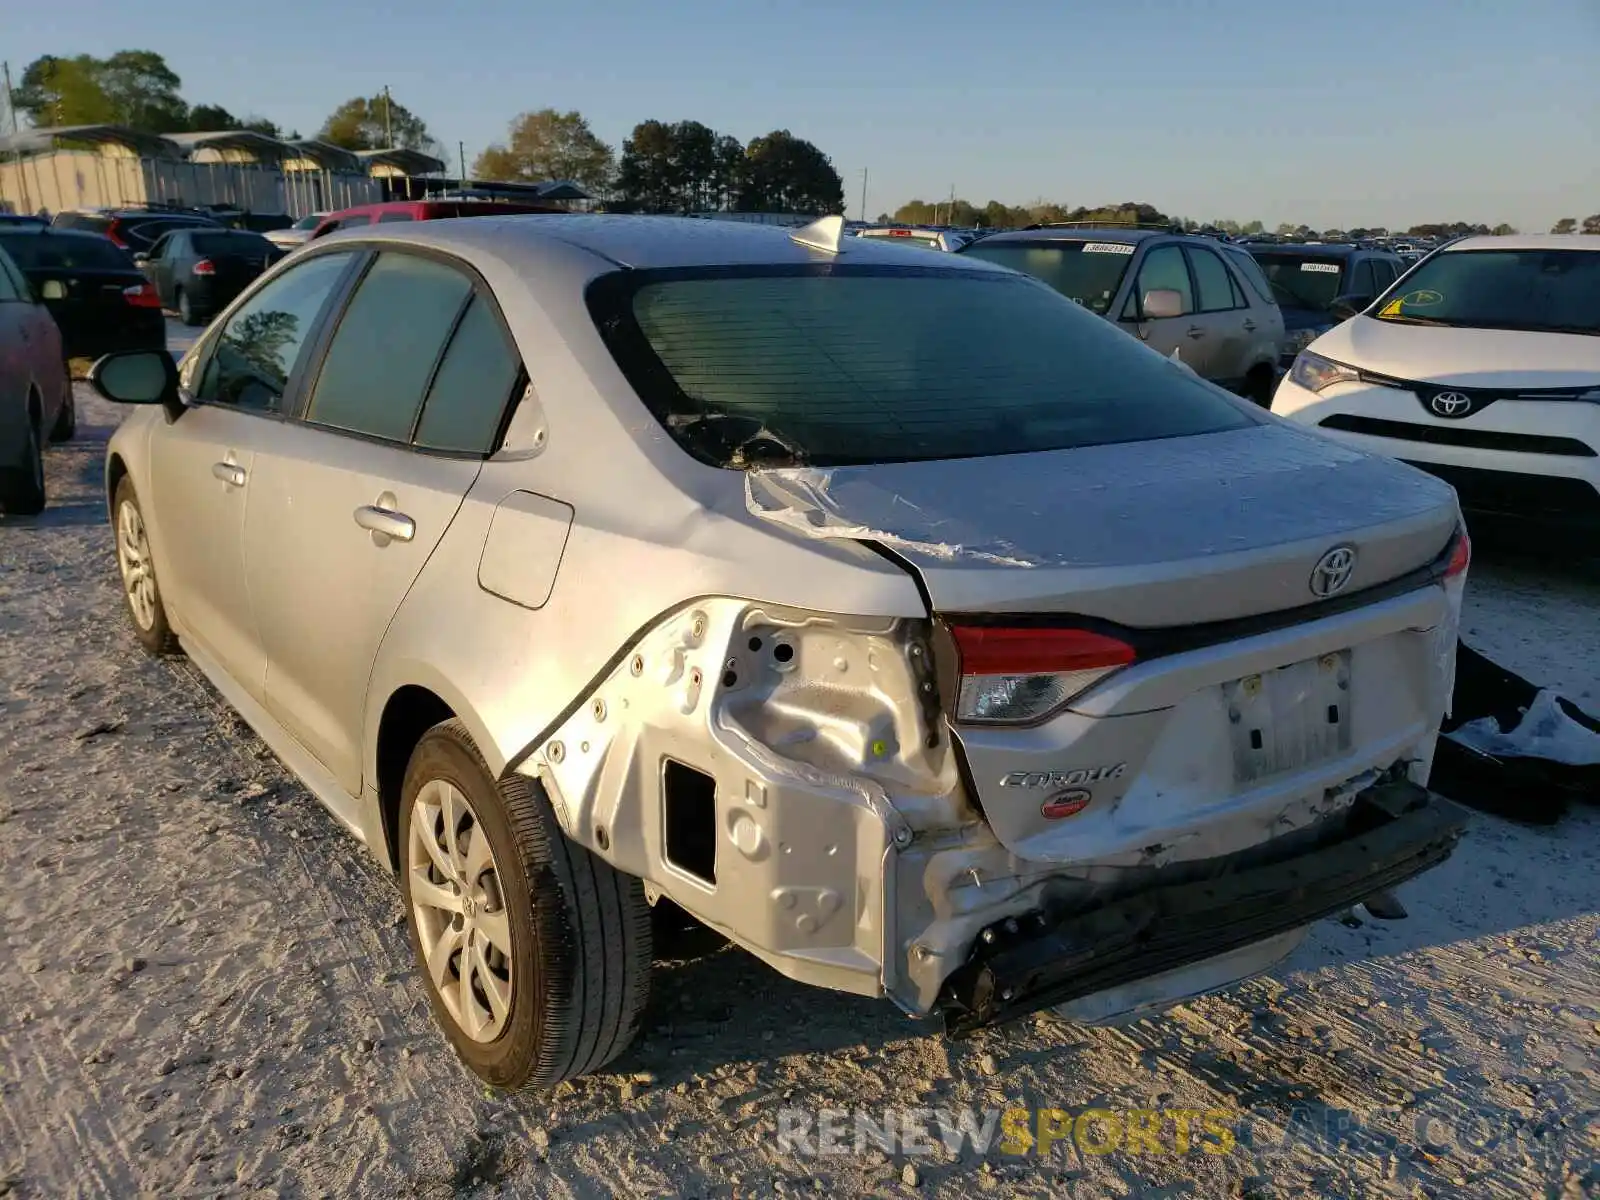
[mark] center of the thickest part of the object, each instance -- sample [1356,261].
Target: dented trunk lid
[1151,534]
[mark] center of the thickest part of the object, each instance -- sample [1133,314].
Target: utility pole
[16,156]
[863,195]
[950,213]
[388,119]
[461,149]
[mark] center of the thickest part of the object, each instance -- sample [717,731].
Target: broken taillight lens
[1018,675]
[1460,556]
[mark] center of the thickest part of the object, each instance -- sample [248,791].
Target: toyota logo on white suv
[1451,404]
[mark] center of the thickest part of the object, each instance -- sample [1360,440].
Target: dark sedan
[99,299]
[198,271]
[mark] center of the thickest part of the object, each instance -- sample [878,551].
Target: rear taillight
[141,295]
[205,267]
[1017,676]
[114,232]
[1460,556]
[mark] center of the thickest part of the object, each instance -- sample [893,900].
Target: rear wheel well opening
[410,713]
[115,470]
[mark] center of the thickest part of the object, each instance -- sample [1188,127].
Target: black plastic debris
[1513,749]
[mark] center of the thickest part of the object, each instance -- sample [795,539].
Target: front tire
[138,570]
[536,954]
[1259,386]
[22,487]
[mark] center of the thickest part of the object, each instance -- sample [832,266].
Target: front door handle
[1196,331]
[386,521]
[231,474]
[1249,326]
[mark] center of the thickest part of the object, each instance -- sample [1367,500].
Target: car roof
[638,242]
[1528,241]
[51,232]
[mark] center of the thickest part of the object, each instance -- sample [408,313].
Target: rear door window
[1216,290]
[468,398]
[1247,266]
[1364,283]
[257,350]
[373,382]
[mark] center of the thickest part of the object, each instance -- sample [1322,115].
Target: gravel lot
[210,992]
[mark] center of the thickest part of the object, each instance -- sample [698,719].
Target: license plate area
[1289,718]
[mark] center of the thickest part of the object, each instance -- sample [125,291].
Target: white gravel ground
[208,988]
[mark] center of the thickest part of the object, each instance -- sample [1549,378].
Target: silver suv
[1195,299]
[887,612]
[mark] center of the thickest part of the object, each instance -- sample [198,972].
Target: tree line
[662,167]
[995,215]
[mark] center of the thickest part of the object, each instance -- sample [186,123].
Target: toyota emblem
[1333,571]
[1451,404]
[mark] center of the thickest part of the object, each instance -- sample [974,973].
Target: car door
[30,356]
[157,266]
[347,507]
[200,465]
[1222,313]
[1163,268]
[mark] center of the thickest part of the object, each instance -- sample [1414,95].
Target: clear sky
[1344,113]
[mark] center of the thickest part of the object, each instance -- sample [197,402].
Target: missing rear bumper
[1392,833]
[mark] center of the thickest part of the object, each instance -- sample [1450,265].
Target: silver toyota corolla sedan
[894,616]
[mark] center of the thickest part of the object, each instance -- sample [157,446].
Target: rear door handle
[1249,326]
[386,521]
[1196,331]
[231,474]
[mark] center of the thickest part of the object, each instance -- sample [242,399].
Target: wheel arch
[410,708]
[116,471]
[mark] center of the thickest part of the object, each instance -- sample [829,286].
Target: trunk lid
[1153,534]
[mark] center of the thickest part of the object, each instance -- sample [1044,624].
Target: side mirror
[1161,303]
[138,377]
[1345,307]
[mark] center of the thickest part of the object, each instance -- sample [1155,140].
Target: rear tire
[22,486]
[137,567]
[186,312]
[561,937]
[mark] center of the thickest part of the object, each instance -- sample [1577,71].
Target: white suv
[1481,365]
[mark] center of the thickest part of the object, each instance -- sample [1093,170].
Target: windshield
[1087,273]
[1552,291]
[837,365]
[251,244]
[1302,280]
[54,252]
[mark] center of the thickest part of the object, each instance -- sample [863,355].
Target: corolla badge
[1333,571]
[1451,404]
[1063,779]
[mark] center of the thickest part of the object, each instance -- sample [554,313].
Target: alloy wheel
[133,558]
[459,912]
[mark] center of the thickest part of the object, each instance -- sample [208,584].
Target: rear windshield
[1550,291]
[250,244]
[1301,280]
[1087,273]
[92,222]
[927,241]
[838,365]
[56,252]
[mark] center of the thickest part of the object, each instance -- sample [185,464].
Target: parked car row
[953,665]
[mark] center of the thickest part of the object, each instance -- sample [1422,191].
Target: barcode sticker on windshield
[1107,248]
[1326,268]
